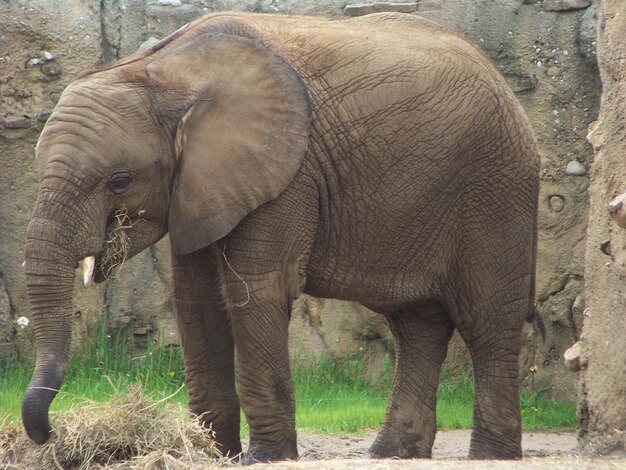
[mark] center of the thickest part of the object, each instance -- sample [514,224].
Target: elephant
[380,159]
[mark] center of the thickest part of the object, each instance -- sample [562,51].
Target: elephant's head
[187,137]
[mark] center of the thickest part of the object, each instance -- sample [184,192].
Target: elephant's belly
[375,281]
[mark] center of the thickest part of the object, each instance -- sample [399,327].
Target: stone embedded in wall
[521,82]
[575,168]
[360,9]
[47,64]
[42,58]
[553,71]
[47,56]
[52,69]
[574,359]
[565,5]
[586,34]
[44,115]
[557,203]
[16,123]
[617,209]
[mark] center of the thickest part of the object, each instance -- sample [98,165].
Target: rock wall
[601,352]
[546,52]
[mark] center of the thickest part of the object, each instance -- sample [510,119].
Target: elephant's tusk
[89,263]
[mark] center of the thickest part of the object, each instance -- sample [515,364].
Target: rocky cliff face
[600,354]
[546,52]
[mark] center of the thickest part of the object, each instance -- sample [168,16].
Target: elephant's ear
[240,143]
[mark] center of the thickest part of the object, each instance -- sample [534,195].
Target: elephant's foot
[408,446]
[490,445]
[256,454]
[230,450]
[225,428]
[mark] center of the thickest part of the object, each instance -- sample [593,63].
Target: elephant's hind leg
[496,433]
[494,345]
[421,339]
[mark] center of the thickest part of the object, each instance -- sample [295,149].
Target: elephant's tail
[534,317]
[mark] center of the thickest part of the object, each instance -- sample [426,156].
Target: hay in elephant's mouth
[117,243]
[128,431]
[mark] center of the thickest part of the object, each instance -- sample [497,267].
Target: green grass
[101,368]
[332,396]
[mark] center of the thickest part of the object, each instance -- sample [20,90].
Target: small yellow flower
[172,373]
[534,368]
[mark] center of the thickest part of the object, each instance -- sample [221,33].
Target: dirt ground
[553,451]
[541,451]
[452,444]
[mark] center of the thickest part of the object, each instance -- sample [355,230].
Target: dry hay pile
[117,243]
[129,431]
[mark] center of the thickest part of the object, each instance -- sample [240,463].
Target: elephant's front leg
[208,348]
[260,318]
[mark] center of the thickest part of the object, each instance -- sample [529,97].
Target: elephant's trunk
[50,270]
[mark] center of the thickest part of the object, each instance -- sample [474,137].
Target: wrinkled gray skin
[380,159]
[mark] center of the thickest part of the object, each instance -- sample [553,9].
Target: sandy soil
[452,444]
[541,451]
[553,451]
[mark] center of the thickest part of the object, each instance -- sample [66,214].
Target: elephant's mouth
[114,251]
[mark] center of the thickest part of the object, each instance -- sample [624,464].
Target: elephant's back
[404,89]
[362,65]
[367,68]
[394,86]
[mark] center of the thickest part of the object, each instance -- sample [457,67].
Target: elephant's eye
[119,182]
